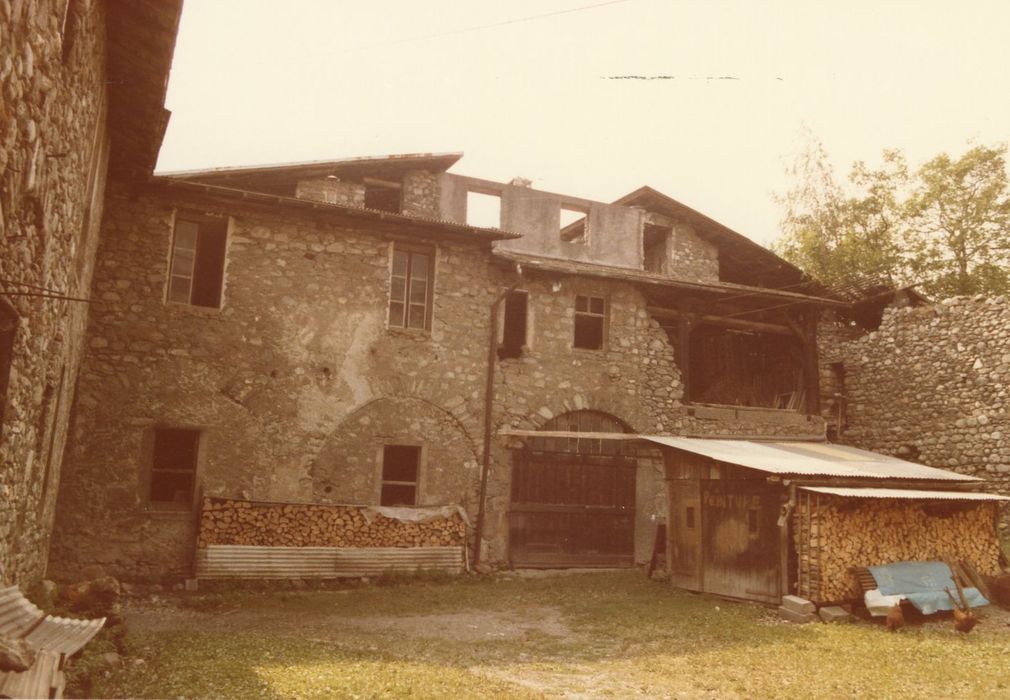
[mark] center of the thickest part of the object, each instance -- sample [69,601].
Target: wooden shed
[757,520]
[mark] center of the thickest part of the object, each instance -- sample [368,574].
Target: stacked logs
[833,536]
[225,521]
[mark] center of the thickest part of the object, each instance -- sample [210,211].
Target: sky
[534,88]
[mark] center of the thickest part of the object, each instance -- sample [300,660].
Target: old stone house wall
[932,384]
[297,382]
[53,156]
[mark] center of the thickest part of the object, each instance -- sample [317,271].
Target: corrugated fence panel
[241,561]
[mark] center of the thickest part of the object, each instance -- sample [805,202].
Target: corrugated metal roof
[808,459]
[904,494]
[247,561]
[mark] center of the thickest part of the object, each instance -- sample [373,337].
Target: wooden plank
[728,322]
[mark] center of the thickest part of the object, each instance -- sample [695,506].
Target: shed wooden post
[684,327]
[811,371]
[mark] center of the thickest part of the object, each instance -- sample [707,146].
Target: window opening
[400,466]
[514,333]
[410,289]
[173,466]
[689,517]
[590,314]
[382,195]
[198,252]
[573,225]
[483,210]
[655,244]
[752,521]
[8,329]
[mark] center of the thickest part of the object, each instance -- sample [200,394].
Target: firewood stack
[833,537]
[225,521]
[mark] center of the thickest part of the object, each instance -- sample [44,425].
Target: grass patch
[598,635]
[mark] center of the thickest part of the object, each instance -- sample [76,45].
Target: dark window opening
[590,317]
[689,517]
[742,368]
[400,466]
[573,225]
[752,521]
[8,329]
[410,288]
[198,252]
[383,197]
[173,466]
[655,244]
[483,209]
[514,333]
[73,18]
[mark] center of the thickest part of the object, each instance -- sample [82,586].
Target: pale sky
[260,81]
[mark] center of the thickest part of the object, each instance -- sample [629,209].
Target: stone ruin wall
[932,385]
[51,149]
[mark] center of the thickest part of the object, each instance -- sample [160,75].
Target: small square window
[197,269]
[400,466]
[8,329]
[173,467]
[590,322]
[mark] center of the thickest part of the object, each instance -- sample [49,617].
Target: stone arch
[625,413]
[348,467]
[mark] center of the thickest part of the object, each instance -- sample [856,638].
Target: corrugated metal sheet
[808,459]
[241,561]
[908,494]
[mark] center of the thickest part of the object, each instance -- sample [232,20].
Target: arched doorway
[573,498]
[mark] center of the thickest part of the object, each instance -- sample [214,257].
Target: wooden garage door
[573,503]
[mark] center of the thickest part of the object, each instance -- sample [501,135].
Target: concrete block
[833,613]
[794,616]
[798,605]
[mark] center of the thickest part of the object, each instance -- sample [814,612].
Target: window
[8,329]
[590,314]
[573,225]
[197,271]
[410,288]
[382,195]
[752,521]
[514,331]
[689,517]
[483,210]
[173,467]
[654,240]
[400,464]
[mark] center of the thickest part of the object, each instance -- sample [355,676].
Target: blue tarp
[922,583]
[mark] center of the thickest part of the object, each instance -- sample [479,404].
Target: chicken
[895,619]
[964,619]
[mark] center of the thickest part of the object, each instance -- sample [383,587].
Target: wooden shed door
[740,539]
[572,510]
[684,534]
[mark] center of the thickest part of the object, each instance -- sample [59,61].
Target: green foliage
[945,226]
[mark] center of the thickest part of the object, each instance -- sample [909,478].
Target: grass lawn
[579,635]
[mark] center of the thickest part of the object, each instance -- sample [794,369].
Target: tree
[945,227]
[959,223]
[841,239]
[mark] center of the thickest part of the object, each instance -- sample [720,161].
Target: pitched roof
[280,177]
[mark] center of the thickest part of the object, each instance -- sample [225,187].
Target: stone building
[328,332]
[82,87]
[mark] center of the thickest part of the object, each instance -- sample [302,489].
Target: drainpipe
[492,360]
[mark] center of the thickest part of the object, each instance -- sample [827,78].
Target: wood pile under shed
[237,522]
[833,535]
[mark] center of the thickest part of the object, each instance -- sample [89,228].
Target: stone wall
[53,155]
[691,258]
[931,385]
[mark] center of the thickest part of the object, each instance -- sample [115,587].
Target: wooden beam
[513,432]
[382,183]
[741,323]
[811,371]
